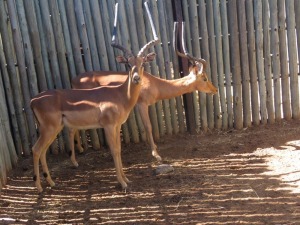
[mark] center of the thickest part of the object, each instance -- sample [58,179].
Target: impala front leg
[143,109]
[110,134]
[118,138]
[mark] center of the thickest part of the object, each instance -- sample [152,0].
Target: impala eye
[205,79]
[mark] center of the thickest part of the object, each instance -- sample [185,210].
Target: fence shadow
[246,177]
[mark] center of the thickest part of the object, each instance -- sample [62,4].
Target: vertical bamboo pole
[28,54]
[59,42]
[10,101]
[22,70]
[244,63]
[175,64]
[99,34]
[43,40]
[297,20]
[107,25]
[51,43]
[213,62]
[219,57]
[35,38]
[10,150]
[290,22]
[267,62]
[259,58]
[70,13]
[275,58]
[284,62]
[235,64]
[67,39]
[252,63]
[165,48]
[90,35]
[206,56]
[226,57]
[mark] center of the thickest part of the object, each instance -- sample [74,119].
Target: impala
[153,88]
[105,107]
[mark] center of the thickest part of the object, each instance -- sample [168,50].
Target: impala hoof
[40,190]
[52,184]
[158,158]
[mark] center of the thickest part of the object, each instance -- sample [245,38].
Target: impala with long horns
[154,88]
[105,107]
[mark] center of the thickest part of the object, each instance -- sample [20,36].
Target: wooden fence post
[275,58]
[17,40]
[252,63]
[187,98]
[219,58]
[213,62]
[35,38]
[259,58]
[267,62]
[284,62]
[235,64]
[290,22]
[244,63]
[226,57]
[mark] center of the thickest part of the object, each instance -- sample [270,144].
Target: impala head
[135,63]
[197,66]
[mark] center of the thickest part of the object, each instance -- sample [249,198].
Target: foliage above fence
[251,47]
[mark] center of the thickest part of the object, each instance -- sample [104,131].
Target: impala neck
[132,90]
[173,88]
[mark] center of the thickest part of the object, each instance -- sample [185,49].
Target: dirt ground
[250,176]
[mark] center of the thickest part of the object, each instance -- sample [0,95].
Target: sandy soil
[250,176]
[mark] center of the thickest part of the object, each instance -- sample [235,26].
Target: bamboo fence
[250,46]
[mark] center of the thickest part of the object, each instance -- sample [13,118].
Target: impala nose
[136,78]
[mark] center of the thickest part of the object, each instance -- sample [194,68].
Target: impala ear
[121,59]
[193,69]
[150,57]
[201,68]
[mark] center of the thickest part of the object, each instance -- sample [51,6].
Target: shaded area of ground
[235,177]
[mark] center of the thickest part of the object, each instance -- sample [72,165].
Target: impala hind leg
[143,109]
[77,141]
[111,138]
[72,133]
[49,137]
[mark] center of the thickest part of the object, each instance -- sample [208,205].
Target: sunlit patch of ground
[285,163]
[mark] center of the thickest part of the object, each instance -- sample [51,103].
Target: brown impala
[153,88]
[106,107]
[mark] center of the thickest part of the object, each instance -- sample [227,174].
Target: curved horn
[175,34]
[114,41]
[153,42]
[185,54]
